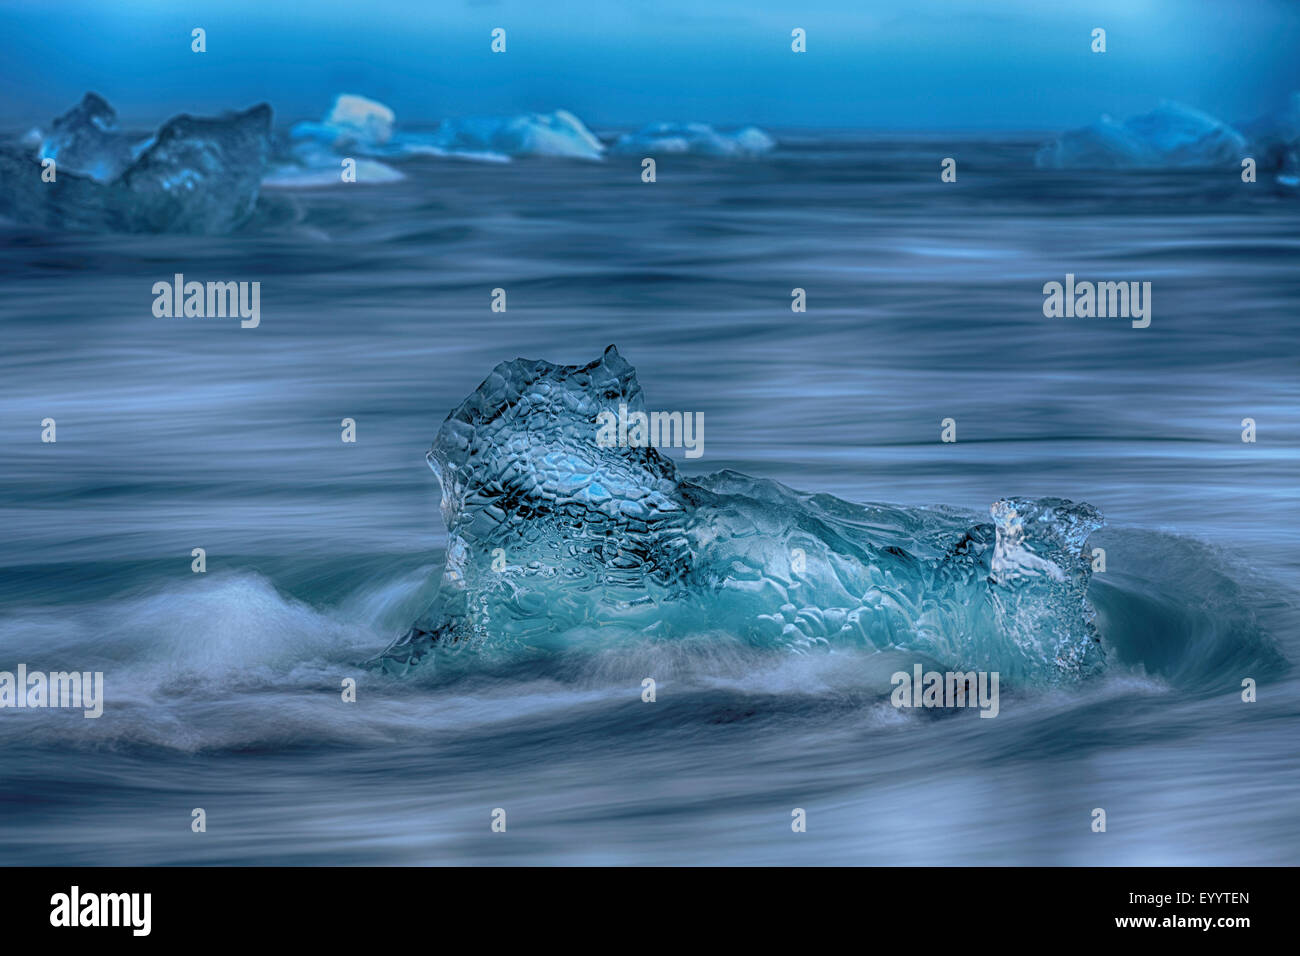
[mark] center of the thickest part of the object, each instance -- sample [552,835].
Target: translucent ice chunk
[196,175]
[86,139]
[554,537]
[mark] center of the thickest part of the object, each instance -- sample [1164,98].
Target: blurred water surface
[924,302]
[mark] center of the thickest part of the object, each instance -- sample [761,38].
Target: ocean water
[924,303]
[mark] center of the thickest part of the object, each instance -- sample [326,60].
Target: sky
[913,64]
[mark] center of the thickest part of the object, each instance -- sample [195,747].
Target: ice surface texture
[194,175]
[554,539]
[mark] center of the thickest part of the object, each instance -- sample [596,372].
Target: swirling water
[222,689]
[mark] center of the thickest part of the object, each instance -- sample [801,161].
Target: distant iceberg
[358,126]
[88,141]
[1170,136]
[1275,141]
[694,139]
[325,169]
[194,175]
[352,120]
[530,134]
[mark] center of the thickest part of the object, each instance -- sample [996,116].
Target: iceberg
[352,120]
[555,538]
[199,174]
[87,140]
[357,126]
[1275,140]
[194,175]
[324,169]
[695,139]
[530,134]
[362,119]
[1171,136]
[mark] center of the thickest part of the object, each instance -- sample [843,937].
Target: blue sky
[920,64]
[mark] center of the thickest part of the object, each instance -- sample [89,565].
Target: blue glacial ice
[324,169]
[199,174]
[559,133]
[352,120]
[88,141]
[194,175]
[1170,136]
[554,539]
[694,139]
[355,128]
[360,127]
[1275,141]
